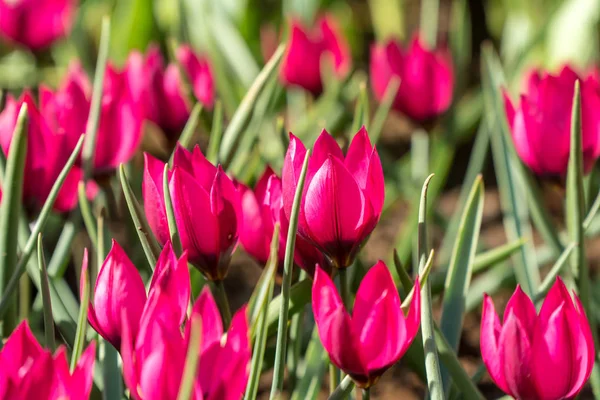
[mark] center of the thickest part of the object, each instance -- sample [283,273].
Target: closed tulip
[377,334]
[158,90]
[262,208]
[36,24]
[120,293]
[29,370]
[425,76]
[206,205]
[541,122]
[529,354]
[309,49]
[153,366]
[199,73]
[47,153]
[343,196]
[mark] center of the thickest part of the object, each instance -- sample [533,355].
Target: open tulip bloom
[377,334]
[343,196]
[545,356]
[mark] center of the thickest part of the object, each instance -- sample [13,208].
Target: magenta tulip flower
[120,293]
[36,24]
[28,370]
[541,122]
[153,366]
[262,208]
[307,51]
[199,73]
[528,355]
[120,127]
[377,334]
[343,196]
[159,90]
[426,78]
[206,205]
[47,154]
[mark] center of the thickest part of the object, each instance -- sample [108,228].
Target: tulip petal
[224,200]
[203,170]
[154,199]
[335,44]
[523,309]
[290,174]
[20,348]
[489,337]
[583,351]
[515,350]
[325,147]
[557,295]
[212,326]
[413,319]
[130,375]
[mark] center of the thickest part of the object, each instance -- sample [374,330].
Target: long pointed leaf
[48,321]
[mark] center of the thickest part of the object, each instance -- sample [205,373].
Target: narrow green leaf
[299,298]
[192,360]
[147,239]
[553,273]
[592,213]
[432,363]
[423,279]
[232,135]
[215,134]
[384,109]
[10,209]
[361,114]
[575,216]
[222,302]
[190,127]
[111,372]
[93,121]
[343,390]
[288,265]
[48,321]
[405,280]
[62,251]
[316,361]
[82,318]
[171,213]
[429,22]
[461,270]
[86,213]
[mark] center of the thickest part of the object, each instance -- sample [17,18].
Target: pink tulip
[541,122]
[261,209]
[343,197]
[28,370]
[426,78]
[153,367]
[47,154]
[206,206]
[120,127]
[36,23]
[199,73]
[307,51]
[377,334]
[546,356]
[120,293]
[158,90]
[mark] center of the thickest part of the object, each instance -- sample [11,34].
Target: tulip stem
[343,389]
[345,288]
[334,378]
[366,394]
[223,303]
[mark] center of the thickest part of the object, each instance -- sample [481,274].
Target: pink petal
[301,64]
[523,309]
[413,319]
[335,44]
[490,335]
[203,170]
[292,167]
[325,147]
[212,326]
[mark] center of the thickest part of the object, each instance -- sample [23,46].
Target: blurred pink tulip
[47,154]
[527,355]
[28,370]
[157,90]
[153,366]
[206,206]
[343,197]
[120,127]
[377,334]
[120,293]
[426,78]
[306,52]
[199,73]
[261,209]
[36,23]
[541,122]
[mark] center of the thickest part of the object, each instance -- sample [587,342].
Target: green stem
[345,287]
[24,297]
[366,394]
[429,21]
[343,389]
[223,303]
[334,378]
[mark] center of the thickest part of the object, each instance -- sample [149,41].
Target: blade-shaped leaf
[48,321]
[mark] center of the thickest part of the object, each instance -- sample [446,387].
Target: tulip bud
[309,50]
[541,122]
[262,209]
[199,73]
[527,355]
[206,205]
[36,24]
[377,334]
[157,90]
[343,196]
[426,78]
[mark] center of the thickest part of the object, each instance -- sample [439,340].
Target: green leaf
[134,26]
[192,360]
[10,209]
[111,373]
[361,114]
[62,251]
[233,133]
[91,129]
[461,269]
[82,318]
[553,273]
[299,297]
[171,213]
[384,109]
[47,301]
[316,361]
[190,127]
[215,134]
[86,213]
[288,265]
[511,186]
[343,390]
[138,216]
